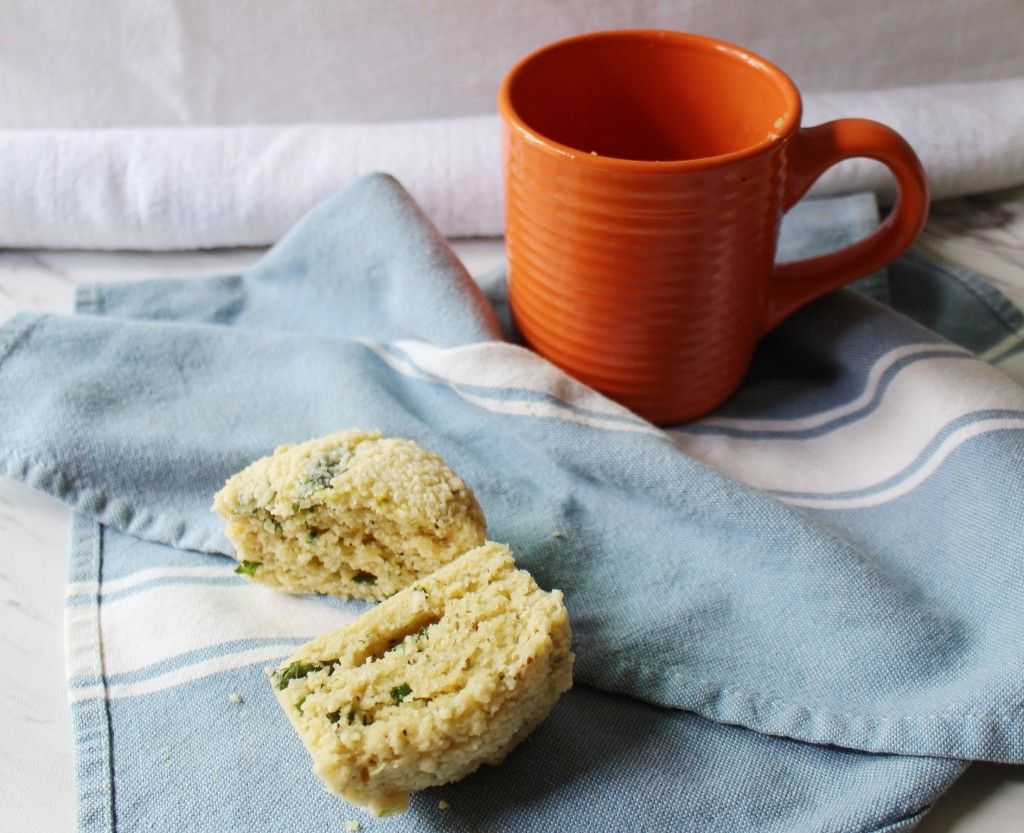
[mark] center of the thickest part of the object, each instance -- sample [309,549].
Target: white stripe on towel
[870,450]
[170,620]
[180,676]
[947,447]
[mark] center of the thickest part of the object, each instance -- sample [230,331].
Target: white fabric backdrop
[164,124]
[97,63]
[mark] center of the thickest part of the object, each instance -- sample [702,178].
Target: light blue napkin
[800,613]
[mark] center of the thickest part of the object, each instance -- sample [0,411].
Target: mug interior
[651,96]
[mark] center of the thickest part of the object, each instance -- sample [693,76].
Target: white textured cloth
[168,188]
[970,137]
[201,187]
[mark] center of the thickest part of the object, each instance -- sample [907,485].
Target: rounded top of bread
[355,470]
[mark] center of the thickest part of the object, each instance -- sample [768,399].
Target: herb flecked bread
[448,674]
[352,514]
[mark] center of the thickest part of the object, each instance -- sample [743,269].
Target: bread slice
[449,674]
[352,514]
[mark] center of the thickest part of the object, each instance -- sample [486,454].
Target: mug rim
[791,119]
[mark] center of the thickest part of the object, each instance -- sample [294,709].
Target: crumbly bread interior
[448,674]
[352,514]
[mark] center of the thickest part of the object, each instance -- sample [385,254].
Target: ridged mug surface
[623,279]
[648,279]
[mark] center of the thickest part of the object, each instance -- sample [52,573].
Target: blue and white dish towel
[801,613]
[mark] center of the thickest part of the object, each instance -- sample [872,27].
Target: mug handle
[817,149]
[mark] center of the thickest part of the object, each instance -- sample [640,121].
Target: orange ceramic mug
[646,174]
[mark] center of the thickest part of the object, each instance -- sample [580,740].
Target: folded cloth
[171,188]
[800,613]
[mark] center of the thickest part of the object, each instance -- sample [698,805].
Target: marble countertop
[36,770]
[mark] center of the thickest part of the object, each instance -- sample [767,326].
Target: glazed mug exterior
[646,176]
